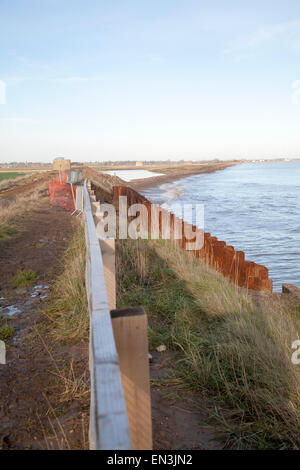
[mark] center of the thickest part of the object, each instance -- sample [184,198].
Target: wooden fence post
[130,332]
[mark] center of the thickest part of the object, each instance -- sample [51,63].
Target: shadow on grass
[234,348]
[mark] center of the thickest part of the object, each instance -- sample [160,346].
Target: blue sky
[128,79]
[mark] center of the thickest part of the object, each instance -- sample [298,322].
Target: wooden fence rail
[109,425]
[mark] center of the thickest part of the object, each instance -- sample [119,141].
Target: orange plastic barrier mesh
[60,193]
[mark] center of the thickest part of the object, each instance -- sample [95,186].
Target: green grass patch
[20,291]
[6,332]
[40,245]
[68,308]
[232,347]
[24,278]
[10,175]
[5,233]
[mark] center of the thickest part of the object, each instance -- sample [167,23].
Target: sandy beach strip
[176,173]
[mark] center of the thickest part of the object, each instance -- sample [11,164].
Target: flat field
[9,175]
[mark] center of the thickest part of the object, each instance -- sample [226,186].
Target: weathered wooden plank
[79,198]
[130,331]
[109,263]
[98,293]
[104,349]
[109,427]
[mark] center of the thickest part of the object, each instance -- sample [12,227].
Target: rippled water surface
[254,207]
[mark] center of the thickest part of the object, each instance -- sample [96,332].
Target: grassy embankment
[232,347]
[12,213]
[67,310]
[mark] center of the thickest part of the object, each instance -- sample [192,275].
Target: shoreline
[174,174]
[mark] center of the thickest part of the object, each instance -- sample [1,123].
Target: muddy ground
[18,188]
[33,412]
[180,420]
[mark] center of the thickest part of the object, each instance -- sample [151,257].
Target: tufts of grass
[20,291]
[6,332]
[232,346]
[8,295]
[40,245]
[68,308]
[24,278]
[5,232]
[75,387]
[12,214]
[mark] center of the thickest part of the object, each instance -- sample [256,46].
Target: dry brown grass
[12,212]
[233,346]
[68,309]
[74,386]
[68,321]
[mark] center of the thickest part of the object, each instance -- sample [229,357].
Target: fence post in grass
[130,332]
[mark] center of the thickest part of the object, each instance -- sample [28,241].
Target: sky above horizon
[129,79]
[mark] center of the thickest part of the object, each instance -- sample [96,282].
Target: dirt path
[33,413]
[179,417]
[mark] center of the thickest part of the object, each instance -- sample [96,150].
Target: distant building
[61,164]
[139,164]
